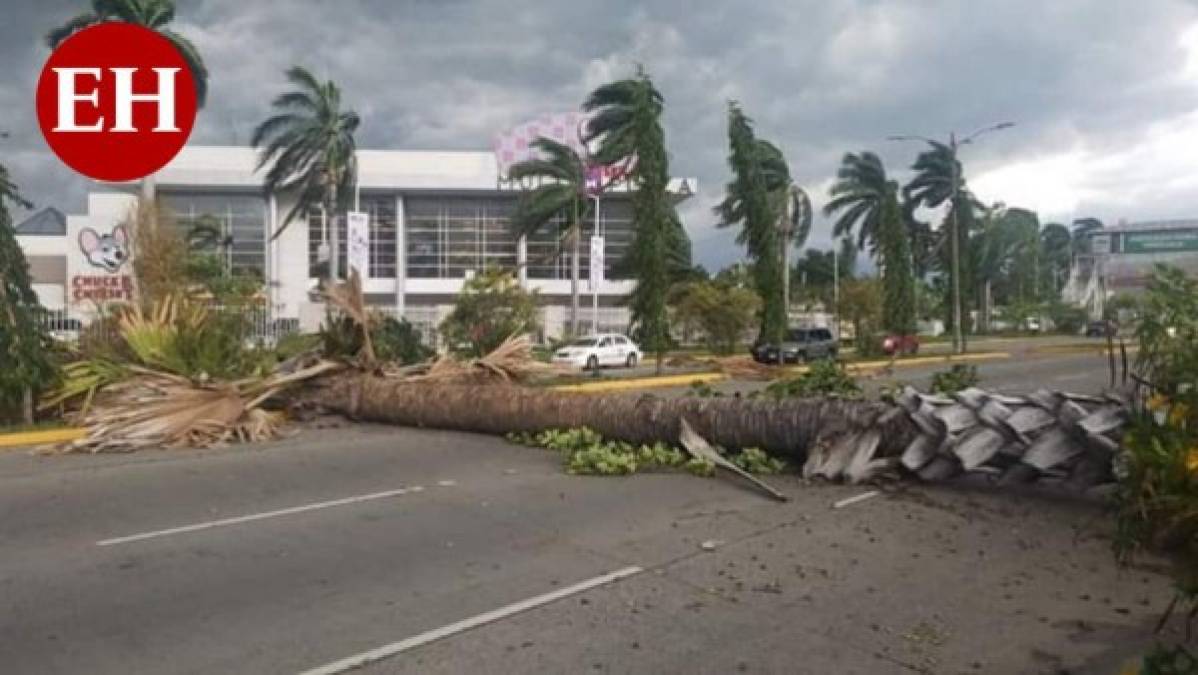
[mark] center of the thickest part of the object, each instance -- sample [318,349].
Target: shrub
[723,312]
[1067,318]
[586,452]
[823,378]
[1157,500]
[491,308]
[28,366]
[959,376]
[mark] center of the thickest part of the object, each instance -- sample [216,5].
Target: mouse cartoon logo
[109,251]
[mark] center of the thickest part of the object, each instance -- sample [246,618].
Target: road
[1019,366]
[294,555]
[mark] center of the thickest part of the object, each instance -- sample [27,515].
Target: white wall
[51,296]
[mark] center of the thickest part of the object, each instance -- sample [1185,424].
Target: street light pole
[958,334]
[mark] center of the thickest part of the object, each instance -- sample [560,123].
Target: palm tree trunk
[575,270]
[785,282]
[330,215]
[27,406]
[785,428]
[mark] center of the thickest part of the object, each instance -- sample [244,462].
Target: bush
[491,308]
[1067,318]
[1157,500]
[959,376]
[586,452]
[824,378]
[398,340]
[723,312]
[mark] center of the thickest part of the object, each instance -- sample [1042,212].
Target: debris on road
[855,499]
[699,448]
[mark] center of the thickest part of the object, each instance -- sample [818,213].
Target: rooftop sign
[1160,242]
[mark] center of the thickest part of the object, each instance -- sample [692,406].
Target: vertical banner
[358,246]
[596,261]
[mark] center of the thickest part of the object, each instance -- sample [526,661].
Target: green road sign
[1160,242]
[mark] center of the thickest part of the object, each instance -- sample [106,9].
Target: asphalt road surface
[438,552]
[1055,362]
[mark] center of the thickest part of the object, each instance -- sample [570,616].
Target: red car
[900,345]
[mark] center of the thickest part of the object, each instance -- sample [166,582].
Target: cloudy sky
[1104,92]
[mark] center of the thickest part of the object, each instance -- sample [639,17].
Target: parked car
[1101,329]
[801,344]
[595,351]
[900,344]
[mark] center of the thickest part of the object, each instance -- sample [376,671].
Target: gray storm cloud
[1105,92]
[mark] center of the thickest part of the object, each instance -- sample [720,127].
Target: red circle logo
[116,101]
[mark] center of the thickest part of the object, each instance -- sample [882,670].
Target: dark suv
[1103,328]
[801,344]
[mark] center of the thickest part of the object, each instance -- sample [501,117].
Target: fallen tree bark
[789,429]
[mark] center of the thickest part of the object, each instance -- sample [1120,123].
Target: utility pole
[836,288]
[954,223]
[958,334]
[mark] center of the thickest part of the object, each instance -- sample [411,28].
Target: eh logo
[116,101]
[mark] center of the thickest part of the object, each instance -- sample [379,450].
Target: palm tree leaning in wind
[867,202]
[936,171]
[560,177]
[627,123]
[1056,250]
[152,14]
[309,147]
[757,166]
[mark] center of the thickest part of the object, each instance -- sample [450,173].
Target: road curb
[914,361]
[31,438]
[642,382]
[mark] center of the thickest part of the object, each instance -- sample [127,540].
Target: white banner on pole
[358,247]
[596,260]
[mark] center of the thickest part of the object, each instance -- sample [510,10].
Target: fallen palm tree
[788,428]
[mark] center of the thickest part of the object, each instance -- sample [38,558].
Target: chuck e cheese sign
[98,267]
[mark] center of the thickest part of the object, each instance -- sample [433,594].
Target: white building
[436,218]
[1122,258]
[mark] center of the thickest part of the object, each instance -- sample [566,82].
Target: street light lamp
[954,187]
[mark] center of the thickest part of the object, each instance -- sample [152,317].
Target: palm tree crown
[859,195]
[560,176]
[935,171]
[309,145]
[152,14]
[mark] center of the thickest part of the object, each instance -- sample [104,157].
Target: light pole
[955,235]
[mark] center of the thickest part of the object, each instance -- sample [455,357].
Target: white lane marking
[256,516]
[387,651]
[853,500]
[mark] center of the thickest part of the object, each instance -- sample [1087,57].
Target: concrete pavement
[943,580]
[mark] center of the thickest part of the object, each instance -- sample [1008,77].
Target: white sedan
[594,351]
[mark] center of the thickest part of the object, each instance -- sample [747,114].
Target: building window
[549,251]
[229,225]
[381,209]
[446,237]
[382,235]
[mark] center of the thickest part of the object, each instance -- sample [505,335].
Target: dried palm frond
[348,298]
[510,361]
[158,409]
[744,368]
